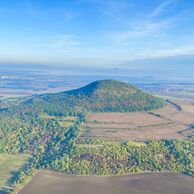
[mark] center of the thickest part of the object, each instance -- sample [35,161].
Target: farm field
[147,183]
[9,164]
[165,123]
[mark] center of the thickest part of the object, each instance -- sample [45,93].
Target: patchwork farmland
[166,123]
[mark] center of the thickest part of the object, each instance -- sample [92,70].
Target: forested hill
[98,96]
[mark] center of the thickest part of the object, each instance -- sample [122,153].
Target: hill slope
[99,96]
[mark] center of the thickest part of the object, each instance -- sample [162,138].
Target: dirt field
[147,183]
[135,118]
[166,123]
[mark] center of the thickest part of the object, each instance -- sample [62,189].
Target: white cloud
[183,50]
[161,8]
[62,43]
[69,16]
[111,8]
[145,25]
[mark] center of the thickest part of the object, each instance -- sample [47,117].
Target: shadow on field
[4,191]
[15,175]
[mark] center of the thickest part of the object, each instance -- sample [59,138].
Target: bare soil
[145,183]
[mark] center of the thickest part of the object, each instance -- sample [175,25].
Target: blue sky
[116,33]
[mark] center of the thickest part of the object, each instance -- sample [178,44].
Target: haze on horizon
[150,34]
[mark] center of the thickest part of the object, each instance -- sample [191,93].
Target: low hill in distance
[98,96]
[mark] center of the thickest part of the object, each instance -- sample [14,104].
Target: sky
[98,33]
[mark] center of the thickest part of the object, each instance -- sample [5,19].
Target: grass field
[147,183]
[165,123]
[67,118]
[9,164]
[66,122]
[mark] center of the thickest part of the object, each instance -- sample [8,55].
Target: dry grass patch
[185,116]
[131,118]
[166,123]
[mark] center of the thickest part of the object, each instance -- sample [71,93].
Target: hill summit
[105,89]
[98,96]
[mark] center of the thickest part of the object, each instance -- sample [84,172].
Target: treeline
[124,158]
[23,176]
[113,159]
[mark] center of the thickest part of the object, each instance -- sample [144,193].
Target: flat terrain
[147,183]
[9,164]
[165,123]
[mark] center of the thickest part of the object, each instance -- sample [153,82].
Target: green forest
[99,96]
[48,130]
